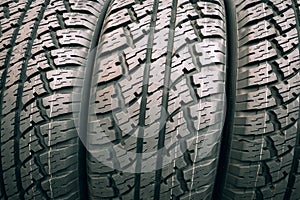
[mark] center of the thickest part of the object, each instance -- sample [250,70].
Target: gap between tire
[231,76]
[86,96]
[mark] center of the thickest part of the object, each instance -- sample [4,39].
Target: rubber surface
[143,84]
[264,155]
[43,45]
[159,77]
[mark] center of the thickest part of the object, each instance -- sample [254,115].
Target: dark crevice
[295,164]
[6,11]
[258,194]
[274,120]
[142,116]
[231,77]
[114,187]
[271,147]
[86,97]
[67,5]
[181,179]
[266,173]
[165,99]
[275,93]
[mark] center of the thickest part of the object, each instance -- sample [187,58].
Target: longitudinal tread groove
[143,106]
[2,86]
[17,134]
[165,98]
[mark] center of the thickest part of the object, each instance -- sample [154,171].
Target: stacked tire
[149,99]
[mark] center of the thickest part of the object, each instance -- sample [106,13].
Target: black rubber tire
[43,44]
[264,156]
[160,70]
[105,75]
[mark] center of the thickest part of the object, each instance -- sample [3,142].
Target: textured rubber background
[158,82]
[264,156]
[43,45]
[160,71]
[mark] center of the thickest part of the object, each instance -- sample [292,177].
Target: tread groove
[295,163]
[3,81]
[19,108]
[165,98]
[143,106]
